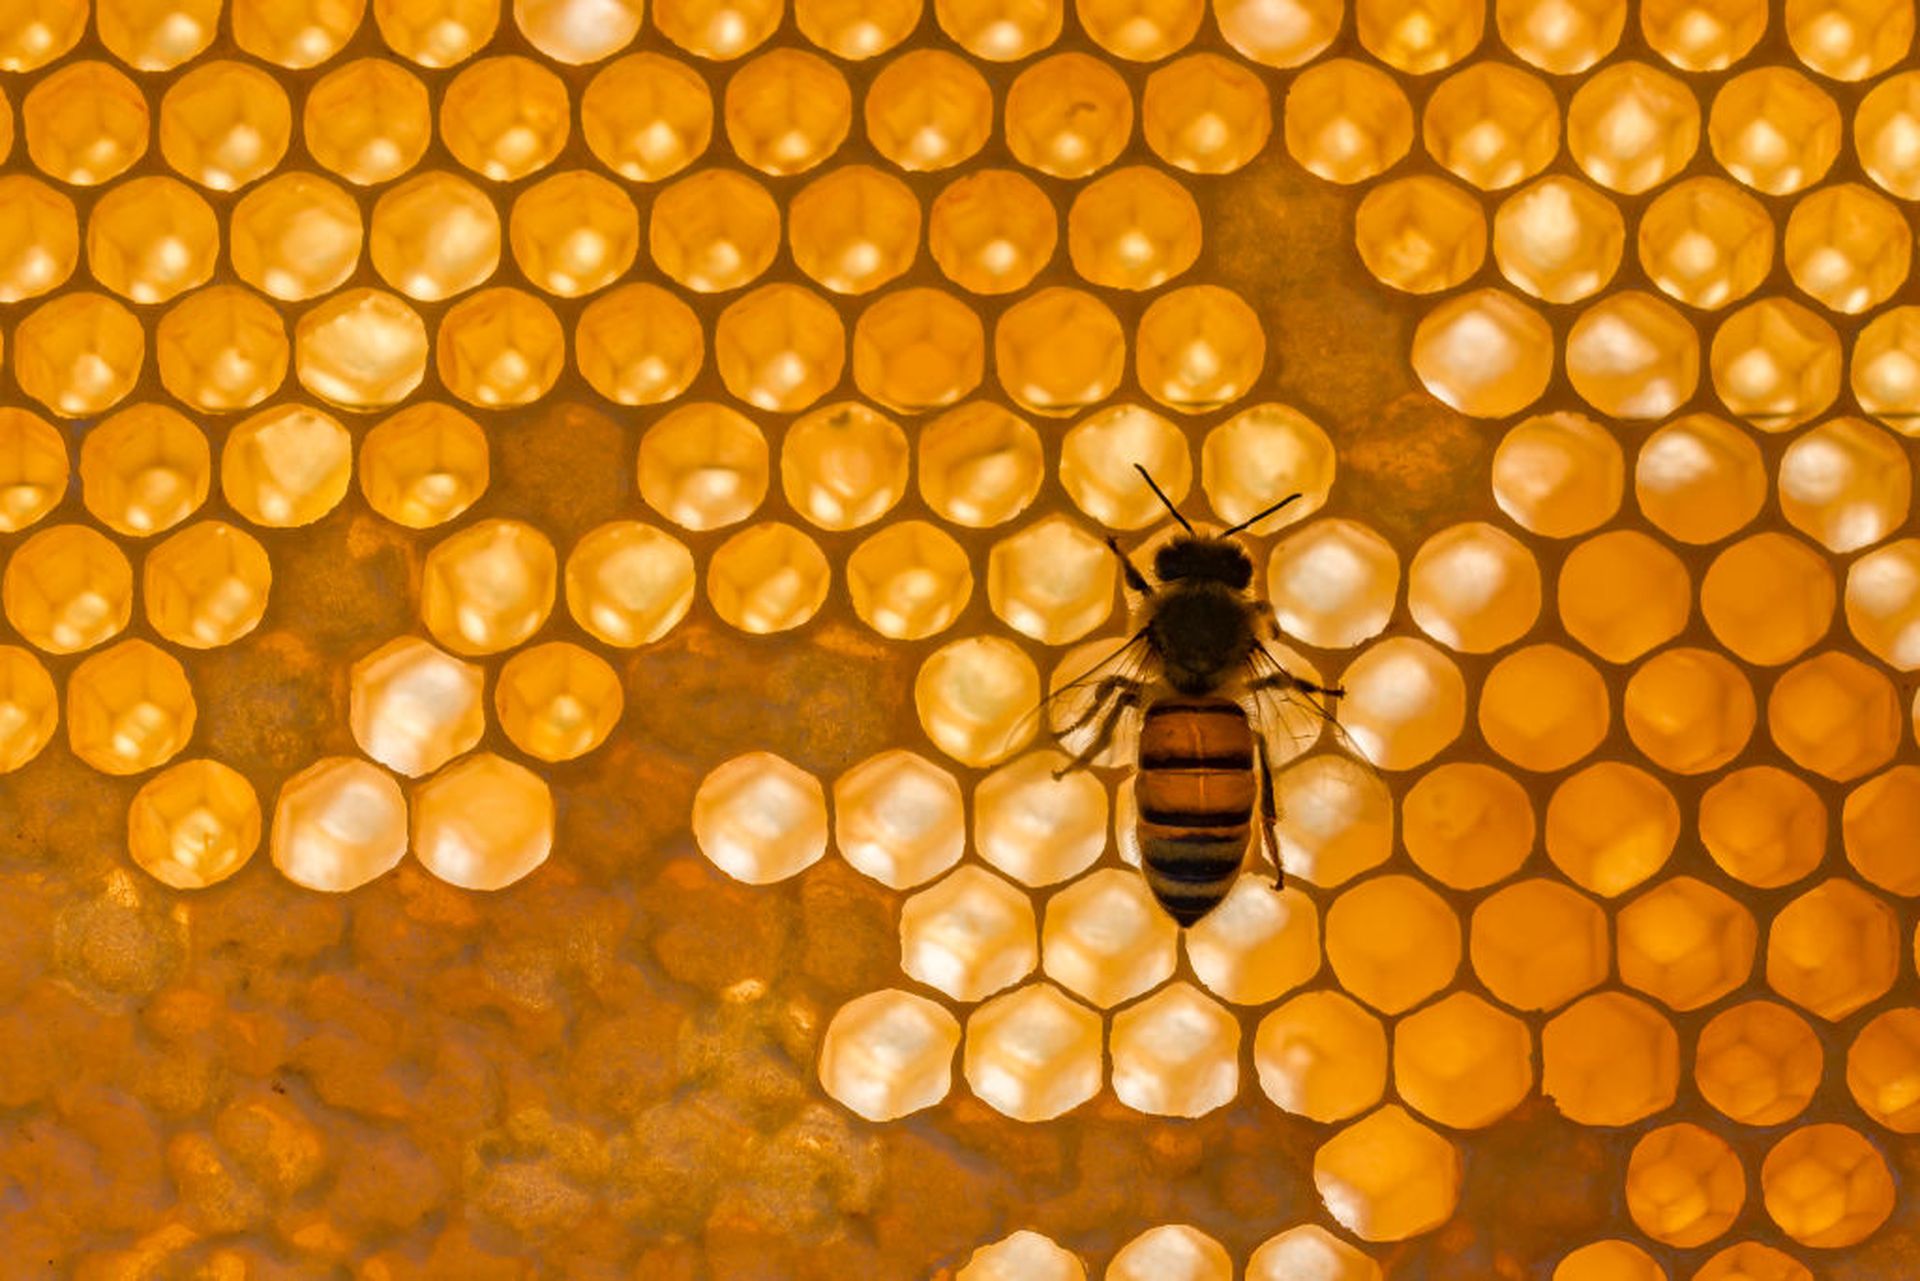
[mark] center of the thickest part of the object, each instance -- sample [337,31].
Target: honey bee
[1194,667]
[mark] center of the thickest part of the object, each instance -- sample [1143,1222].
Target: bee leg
[1105,689]
[1287,680]
[1135,579]
[1269,810]
[1131,695]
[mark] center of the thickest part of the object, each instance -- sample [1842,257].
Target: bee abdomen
[1195,791]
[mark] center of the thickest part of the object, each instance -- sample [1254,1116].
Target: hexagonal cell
[843,466]
[1177,1053]
[1067,115]
[1609,1059]
[434,236]
[928,109]
[1346,121]
[918,349]
[144,470]
[1768,598]
[194,824]
[38,32]
[1774,129]
[488,587]
[482,823]
[1486,353]
[760,819]
[1833,949]
[1883,368]
[151,239]
[557,701]
[975,698]
[768,578]
[1038,828]
[780,348]
[1387,1177]
[287,466]
[1750,1261]
[713,231]
[1883,603]
[1685,1185]
[638,344]
[1775,363]
[1764,826]
[435,33]
[78,354]
[29,708]
[1339,819]
[888,1054]
[1059,351]
[899,819]
[1437,36]
[84,123]
[296,236]
[1279,36]
[1701,35]
[1034,1053]
[1622,593]
[362,349]
[1024,1256]
[1206,114]
[703,466]
[1405,701]
[1609,1261]
[1097,458]
[1492,124]
[1544,707]
[505,117]
[1883,1069]
[33,469]
[1171,1252]
[1106,939]
[1134,228]
[1689,710]
[1051,581]
[130,708]
[1393,942]
[368,120]
[207,585]
[424,465]
[854,229]
[1633,355]
[1333,583]
[722,30]
[969,936]
[1467,825]
[1631,127]
[1848,247]
[1257,944]
[1845,484]
[1462,1062]
[221,348]
[1321,1056]
[853,30]
[1258,457]
[1700,478]
[67,589]
[1473,588]
[1611,826]
[1558,239]
[1880,121]
[1836,716]
[1537,944]
[224,124]
[1686,943]
[415,707]
[1310,1251]
[1827,1186]
[786,111]
[1421,235]
[1758,1062]
[1706,243]
[909,581]
[338,824]
[1877,821]
[1558,475]
[295,36]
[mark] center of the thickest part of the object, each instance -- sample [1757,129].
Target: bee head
[1218,560]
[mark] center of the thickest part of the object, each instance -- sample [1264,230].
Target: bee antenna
[1259,516]
[1164,500]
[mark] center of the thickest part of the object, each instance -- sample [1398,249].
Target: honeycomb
[563,793]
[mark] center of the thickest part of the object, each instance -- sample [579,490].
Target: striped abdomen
[1196,791]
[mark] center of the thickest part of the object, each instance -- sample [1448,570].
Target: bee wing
[1292,721]
[1074,711]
